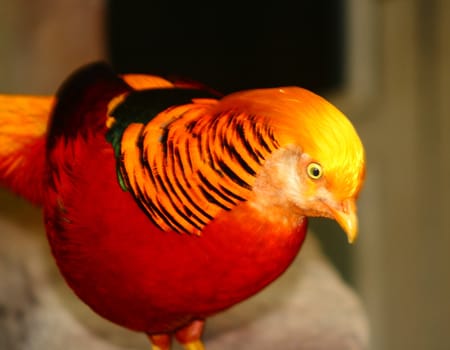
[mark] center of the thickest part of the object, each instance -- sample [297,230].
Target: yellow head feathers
[304,119]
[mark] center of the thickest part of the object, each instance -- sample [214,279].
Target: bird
[165,202]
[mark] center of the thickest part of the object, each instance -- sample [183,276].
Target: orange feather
[23,123]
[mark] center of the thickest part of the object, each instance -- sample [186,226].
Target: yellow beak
[345,215]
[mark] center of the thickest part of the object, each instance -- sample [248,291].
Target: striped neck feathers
[190,163]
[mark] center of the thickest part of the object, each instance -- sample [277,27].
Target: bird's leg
[195,345]
[160,341]
[190,335]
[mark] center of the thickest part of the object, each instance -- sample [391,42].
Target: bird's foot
[188,336]
[160,341]
[194,345]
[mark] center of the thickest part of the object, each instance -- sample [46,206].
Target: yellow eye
[314,171]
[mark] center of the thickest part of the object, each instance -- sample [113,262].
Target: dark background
[232,45]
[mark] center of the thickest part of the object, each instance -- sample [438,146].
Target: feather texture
[23,123]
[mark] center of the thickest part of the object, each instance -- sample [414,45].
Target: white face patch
[278,186]
[283,187]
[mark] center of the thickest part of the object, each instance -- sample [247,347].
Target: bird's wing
[189,160]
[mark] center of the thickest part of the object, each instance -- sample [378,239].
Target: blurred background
[385,63]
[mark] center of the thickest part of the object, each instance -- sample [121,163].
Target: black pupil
[315,171]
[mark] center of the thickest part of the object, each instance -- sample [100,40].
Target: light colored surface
[309,308]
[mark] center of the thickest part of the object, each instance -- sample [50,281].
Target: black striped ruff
[186,166]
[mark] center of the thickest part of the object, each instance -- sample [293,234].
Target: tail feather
[23,124]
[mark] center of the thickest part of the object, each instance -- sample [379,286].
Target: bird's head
[318,170]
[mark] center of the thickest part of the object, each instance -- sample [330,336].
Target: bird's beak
[345,214]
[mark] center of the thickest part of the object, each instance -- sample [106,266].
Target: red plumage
[130,272]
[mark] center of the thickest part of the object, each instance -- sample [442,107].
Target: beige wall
[42,41]
[402,261]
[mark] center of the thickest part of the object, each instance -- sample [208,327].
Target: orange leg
[190,335]
[160,341]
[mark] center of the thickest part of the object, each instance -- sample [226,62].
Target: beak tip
[345,215]
[348,220]
[351,237]
[351,229]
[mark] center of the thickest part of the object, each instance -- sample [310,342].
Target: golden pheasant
[164,203]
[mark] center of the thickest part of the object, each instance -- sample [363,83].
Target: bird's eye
[314,171]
